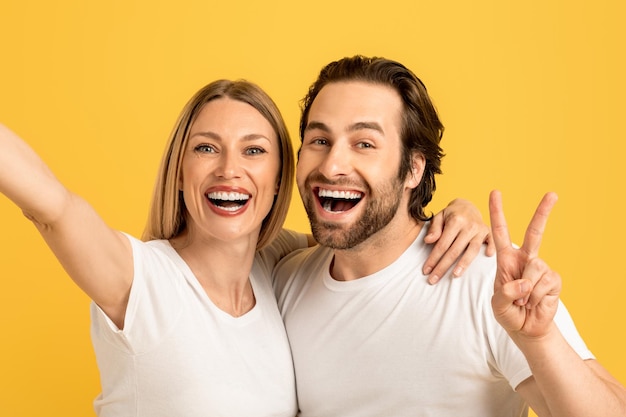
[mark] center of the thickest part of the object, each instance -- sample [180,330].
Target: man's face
[348,168]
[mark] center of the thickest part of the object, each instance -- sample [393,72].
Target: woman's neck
[223,270]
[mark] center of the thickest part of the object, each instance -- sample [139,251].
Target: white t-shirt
[181,356]
[390,344]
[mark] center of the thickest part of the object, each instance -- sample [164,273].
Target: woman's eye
[204,149]
[255,151]
[319,141]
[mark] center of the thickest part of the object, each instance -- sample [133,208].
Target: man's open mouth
[335,201]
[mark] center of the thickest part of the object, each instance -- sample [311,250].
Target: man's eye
[365,145]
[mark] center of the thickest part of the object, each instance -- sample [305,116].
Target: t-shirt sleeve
[285,243]
[154,302]
[511,361]
[565,323]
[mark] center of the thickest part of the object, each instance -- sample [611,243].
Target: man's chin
[333,237]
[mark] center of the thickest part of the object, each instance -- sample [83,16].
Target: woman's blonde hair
[167,217]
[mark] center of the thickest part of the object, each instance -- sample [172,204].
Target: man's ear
[414,176]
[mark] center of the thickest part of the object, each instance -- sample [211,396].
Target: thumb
[513,292]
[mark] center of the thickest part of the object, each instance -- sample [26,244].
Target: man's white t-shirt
[390,344]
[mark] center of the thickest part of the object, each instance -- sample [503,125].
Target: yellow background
[531,93]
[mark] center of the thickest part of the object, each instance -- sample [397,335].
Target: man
[369,335]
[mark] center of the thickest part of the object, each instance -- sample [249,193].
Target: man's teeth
[228,196]
[346,195]
[334,201]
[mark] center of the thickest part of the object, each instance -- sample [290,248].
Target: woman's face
[230,171]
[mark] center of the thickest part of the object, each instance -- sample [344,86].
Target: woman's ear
[418,163]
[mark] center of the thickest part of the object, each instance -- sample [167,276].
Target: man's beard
[380,209]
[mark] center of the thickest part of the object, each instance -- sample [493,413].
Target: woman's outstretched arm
[96,257]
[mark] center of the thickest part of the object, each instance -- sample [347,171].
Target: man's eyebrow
[317,125]
[352,128]
[366,125]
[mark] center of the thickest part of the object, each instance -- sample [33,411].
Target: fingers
[509,315]
[440,258]
[458,243]
[545,283]
[499,228]
[468,252]
[526,290]
[443,240]
[538,282]
[445,262]
[510,294]
[435,229]
[459,232]
[537,225]
[535,230]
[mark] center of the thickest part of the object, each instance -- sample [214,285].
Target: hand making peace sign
[526,290]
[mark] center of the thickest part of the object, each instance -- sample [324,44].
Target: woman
[184,323]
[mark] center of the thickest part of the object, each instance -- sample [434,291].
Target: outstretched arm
[96,257]
[525,300]
[458,232]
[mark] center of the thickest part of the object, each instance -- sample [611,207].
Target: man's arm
[526,297]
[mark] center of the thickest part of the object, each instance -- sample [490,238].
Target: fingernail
[523,286]
[433,280]
[427,270]
[458,271]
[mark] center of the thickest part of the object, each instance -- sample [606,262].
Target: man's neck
[377,252]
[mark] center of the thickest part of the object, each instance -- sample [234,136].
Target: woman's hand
[458,232]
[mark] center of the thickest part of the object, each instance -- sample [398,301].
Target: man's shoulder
[297,270]
[303,259]
[479,275]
